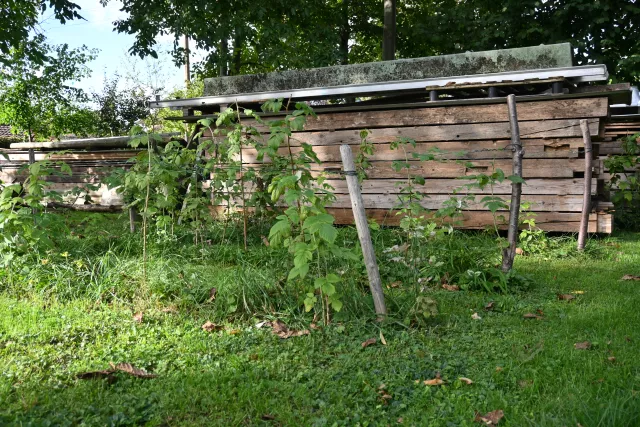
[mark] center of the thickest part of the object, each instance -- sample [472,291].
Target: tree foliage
[20,17]
[247,37]
[118,110]
[37,98]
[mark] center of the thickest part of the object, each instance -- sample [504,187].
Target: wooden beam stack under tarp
[464,116]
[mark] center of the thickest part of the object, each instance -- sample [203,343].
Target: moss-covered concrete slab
[493,61]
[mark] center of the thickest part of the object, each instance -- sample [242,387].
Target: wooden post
[586,198]
[362,226]
[32,160]
[509,253]
[133,216]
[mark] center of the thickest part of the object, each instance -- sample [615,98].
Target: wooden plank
[557,222]
[450,150]
[539,203]
[448,115]
[565,128]
[79,156]
[533,168]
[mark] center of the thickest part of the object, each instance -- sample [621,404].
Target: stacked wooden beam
[474,134]
[87,167]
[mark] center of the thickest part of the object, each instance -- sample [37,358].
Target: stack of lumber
[614,132]
[87,167]
[479,134]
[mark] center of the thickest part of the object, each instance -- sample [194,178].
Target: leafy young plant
[624,184]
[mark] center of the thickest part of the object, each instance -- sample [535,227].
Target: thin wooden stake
[586,198]
[363,230]
[509,253]
[133,216]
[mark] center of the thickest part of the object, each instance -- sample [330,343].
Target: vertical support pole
[32,160]
[586,197]
[557,88]
[433,95]
[133,216]
[363,230]
[493,92]
[509,253]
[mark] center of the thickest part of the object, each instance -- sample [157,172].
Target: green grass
[70,310]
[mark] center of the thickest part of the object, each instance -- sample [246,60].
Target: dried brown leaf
[132,370]
[566,297]
[519,251]
[138,317]
[265,240]
[585,345]
[475,316]
[434,382]
[490,305]
[212,294]
[531,316]
[267,417]
[370,341]
[382,340]
[211,327]
[395,284]
[170,309]
[491,418]
[280,329]
[452,288]
[630,277]
[611,359]
[466,380]
[95,374]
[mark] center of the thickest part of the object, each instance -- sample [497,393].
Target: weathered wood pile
[471,139]
[87,167]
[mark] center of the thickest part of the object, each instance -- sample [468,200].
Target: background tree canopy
[247,37]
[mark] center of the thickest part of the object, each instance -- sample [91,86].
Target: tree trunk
[237,55]
[389,31]
[509,253]
[345,33]
[224,57]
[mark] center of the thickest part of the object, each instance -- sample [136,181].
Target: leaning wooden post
[509,253]
[133,217]
[363,229]
[586,197]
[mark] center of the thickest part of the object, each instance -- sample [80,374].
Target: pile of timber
[471,139]
[615,131]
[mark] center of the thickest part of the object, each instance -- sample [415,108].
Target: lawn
[76,306]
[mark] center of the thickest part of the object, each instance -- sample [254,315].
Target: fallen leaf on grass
[585,345]
[630,277]
[234,331]
[499,369]
[395,284]
[532,316]
[399,420]
[452,288]
[138,317]
[370,341]
[382,340]
[519,251]
[490,418]
[211,327]
[127,368]
[611,359]
[169,309]
[490,305]
[265,241]
[577,292]
[475,316]
[267,417]
[566,297]
[132,370]
[212,294]
[261,324]
[280,329]
[466,380]
[436,381]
